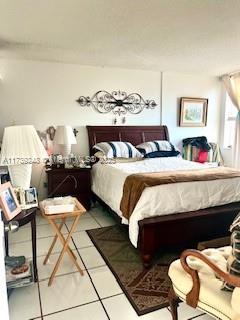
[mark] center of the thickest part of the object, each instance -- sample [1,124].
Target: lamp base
[20,175]
[65,149]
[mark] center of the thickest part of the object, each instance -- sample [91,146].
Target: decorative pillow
[153,146]
[118,149]
[158,154]
[233,263]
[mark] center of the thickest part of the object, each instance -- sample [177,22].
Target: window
[229,123]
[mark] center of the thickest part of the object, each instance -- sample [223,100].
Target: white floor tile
[84,224]
[92,311]
[24,303]
[119,308]
[66,291]
[44,244]
[101,276]
[66,265]
[98,211]
[23,234]
[86,215]
[186,312]
[81,239]
[91,257]
[46,230]
[40,220]
[21,248]
[105,221]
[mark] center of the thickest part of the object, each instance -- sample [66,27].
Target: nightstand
[74,182]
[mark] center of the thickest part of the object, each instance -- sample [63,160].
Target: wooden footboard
[184,229]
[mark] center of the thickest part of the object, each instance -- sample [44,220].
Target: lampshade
[65,135]
[21,143]
[21,147]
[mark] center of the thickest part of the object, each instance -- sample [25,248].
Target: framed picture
[193,112]
[8,201]
[26,198]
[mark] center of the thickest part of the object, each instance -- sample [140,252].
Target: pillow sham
[153,146]
[118,149]
[161,154]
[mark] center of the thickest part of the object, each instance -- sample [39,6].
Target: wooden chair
[197,279]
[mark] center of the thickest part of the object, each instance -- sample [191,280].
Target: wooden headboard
[133,134]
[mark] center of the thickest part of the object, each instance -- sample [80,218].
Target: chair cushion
[235,302]
[212,299]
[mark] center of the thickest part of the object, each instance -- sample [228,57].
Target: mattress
[108,181]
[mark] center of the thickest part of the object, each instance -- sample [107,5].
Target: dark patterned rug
[146,289]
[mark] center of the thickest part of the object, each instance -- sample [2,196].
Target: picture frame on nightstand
[27,198]
[8,201]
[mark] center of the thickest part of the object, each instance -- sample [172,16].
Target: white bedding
[108,181]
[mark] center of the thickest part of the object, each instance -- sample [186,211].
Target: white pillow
[118,149]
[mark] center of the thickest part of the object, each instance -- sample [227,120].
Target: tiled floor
[95,296]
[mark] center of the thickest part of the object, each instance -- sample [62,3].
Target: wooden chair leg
[173,303]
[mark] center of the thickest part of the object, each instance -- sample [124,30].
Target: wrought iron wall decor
[118,102]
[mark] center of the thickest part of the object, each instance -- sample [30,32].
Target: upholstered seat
[210,298]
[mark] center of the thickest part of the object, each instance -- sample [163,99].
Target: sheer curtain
[232,85]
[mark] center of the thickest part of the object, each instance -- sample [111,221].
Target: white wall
[44,94]
[175,86]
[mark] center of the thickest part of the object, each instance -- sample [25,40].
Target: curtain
[232,85]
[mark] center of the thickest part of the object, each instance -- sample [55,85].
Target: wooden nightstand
[74,182]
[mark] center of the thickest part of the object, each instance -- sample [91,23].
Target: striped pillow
[233,263]
[118,149]
[152,146]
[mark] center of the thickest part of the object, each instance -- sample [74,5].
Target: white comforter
[108,181]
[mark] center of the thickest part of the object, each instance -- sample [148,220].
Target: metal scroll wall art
[117,102]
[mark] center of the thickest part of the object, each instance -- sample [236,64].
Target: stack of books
[20,279]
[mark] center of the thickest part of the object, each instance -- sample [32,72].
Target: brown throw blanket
[136,183]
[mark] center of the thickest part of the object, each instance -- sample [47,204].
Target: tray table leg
[66,247]
[53,242]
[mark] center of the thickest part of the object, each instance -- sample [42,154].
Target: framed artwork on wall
[193,112]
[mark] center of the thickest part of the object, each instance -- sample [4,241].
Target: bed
[182,227]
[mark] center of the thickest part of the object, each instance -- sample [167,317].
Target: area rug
[146,289]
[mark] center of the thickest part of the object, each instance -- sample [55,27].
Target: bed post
[146,244]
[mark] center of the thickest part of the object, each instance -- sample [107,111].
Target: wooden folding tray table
[52,218]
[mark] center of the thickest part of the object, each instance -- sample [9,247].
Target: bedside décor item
[65,137]
[75,214]
[8,201]
[21,148]
[51,132]
[118,102]
[193,112]
[27,198]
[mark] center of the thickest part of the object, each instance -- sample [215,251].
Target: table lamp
[21,146]
[65,137]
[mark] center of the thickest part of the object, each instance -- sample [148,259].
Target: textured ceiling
[166,35]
